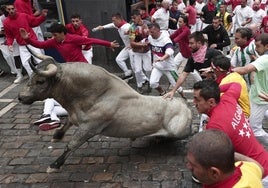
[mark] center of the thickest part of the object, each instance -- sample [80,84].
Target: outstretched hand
[24,34]
[169,95]
[114,44]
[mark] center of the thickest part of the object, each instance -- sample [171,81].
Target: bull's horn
[33,67]
[37,55]
[51,70]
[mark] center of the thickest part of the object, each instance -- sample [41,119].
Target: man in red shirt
[264,24]
[225,114]
[191,13]
[26,6]
[69,46]
[78,28]
[12,23]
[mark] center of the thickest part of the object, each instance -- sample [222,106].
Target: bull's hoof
[51,170]
[58,135]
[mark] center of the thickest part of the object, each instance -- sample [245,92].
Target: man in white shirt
[258,14]
[122,27]
[161,16]
[199,4]
[243,15]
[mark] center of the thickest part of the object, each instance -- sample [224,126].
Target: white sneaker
[18,79]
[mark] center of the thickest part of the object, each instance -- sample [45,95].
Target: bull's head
[43,78]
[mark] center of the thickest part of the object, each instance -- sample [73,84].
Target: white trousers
[25,57]
[8,56]
[54,109]
[121,58]
[178,59]
[198,24]
[157,74]
[88,55]
[255,120]
[142,61]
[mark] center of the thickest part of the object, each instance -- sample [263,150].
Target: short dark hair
[222,62]
[208,89]
[263,38]
[151,25]
[217,18]
[135,12]
[117,15]
[75,15]
[185,18]
[142,8]
[245,32]
[198,37]
[57,28]
[213,148]
[191,2]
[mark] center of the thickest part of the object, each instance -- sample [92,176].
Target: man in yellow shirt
[221,68]
[211,159]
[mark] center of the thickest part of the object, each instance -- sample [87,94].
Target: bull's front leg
[84,132]
[59,133]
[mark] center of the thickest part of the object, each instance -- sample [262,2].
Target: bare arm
[245,70]
[241,157]
[263,96]
[180,81]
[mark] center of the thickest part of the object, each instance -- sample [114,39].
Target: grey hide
[99,102]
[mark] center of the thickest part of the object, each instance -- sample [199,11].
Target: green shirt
[260,79]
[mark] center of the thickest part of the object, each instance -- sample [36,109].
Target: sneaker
[147,84]
[140,90]
[163,93]
[1,72]
[45,118]
[124,77]
[182,94]
[49,126]
[18,79]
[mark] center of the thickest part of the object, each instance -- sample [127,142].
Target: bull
[100,103]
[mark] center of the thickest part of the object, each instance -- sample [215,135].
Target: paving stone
[93,160]
[10,145]
[13,178]
[16,153]
[99,177]
[21,161]
[37,178]
[80,177]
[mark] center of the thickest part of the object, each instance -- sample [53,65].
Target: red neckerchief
[230,181]
[249,41]
[219,78]
[144,16]
[211,6]
[122,23]
[13,17]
